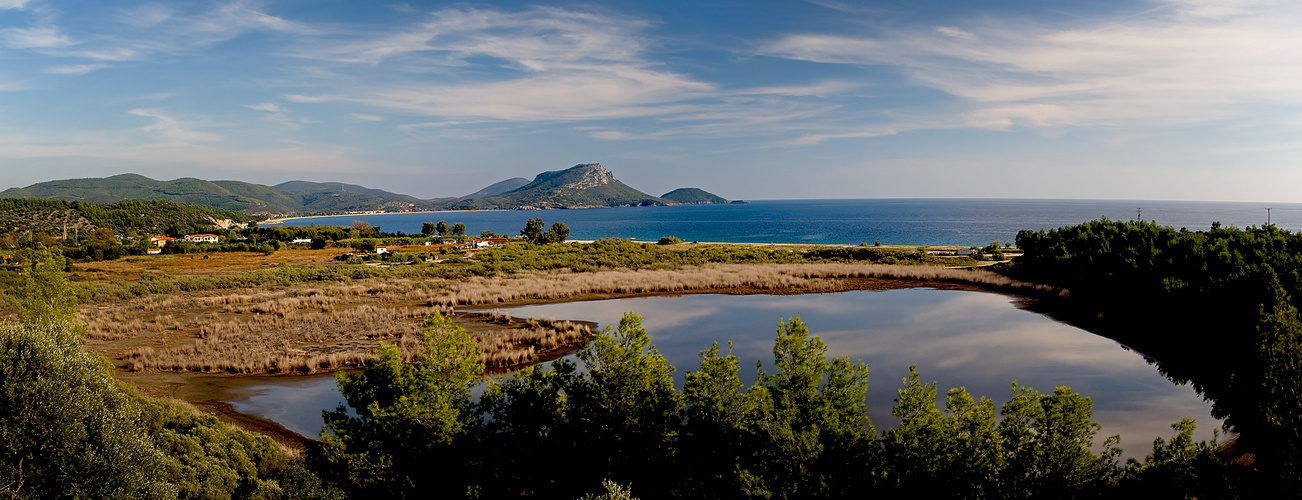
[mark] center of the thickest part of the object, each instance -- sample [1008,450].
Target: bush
[669,240]
[66,429]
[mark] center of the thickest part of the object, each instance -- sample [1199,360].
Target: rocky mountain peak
[587,175]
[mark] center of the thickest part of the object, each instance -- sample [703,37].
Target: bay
[929,222]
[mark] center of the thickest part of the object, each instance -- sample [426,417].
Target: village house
[202,238]
[381,249]
[159,241]
[302,241]
[153,251]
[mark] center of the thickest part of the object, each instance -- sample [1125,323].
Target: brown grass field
[329,326]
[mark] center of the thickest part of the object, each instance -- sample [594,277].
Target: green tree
[557,234]
[412,418]
[625,409]
[427,228]
[1046,443]
[935,454]
[718,450]
[441,228]
[1182,468]
[526,419]
[44,293]
[458,229]
[820,441]
[533,231]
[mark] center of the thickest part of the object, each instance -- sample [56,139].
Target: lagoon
[982,341]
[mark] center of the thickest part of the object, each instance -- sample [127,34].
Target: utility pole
[1139,213]
[1267,216]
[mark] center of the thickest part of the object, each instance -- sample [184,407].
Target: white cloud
[171,129]
[13,4]
[144,16]
[811,139]
[310,98]
[110,54]
[551,65]
[40,37]
[366,117]
[266,106]
[1188,62]
[153,29]
[530,40]
[821,89]
[544,64]
[75,69]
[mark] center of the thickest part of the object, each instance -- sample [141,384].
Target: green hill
[230,195]
[498,188]
[298,197]
[581,186]
[38,216]
[692,196]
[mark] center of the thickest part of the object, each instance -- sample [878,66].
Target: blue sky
[1166,99]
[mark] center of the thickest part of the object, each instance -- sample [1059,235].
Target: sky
[749,99]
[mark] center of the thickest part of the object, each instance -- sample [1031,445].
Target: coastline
[281,220]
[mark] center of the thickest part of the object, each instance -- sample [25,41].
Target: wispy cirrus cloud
[147,30]
[39,37]
[269,107]
[541,64]
[74,69]
[550,64]
[1184,61]
[173,130]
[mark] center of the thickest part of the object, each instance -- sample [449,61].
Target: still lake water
[932,222]
[978,340]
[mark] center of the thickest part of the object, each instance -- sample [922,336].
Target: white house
[381,249]
[302,240]
[202,238]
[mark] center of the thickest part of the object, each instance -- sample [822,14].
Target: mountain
[245,197]
[59,217]
[581,186]
[501,187]
[692,196]
[293,197]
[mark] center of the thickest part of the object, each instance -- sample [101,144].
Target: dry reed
[334,325]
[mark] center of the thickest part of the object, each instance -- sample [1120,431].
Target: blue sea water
[931,222]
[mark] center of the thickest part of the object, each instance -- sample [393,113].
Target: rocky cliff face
[587,176]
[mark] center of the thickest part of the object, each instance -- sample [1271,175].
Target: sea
[913,222]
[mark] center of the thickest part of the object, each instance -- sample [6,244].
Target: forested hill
[53,217]
[300,197]
[582,186]
[687,196]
